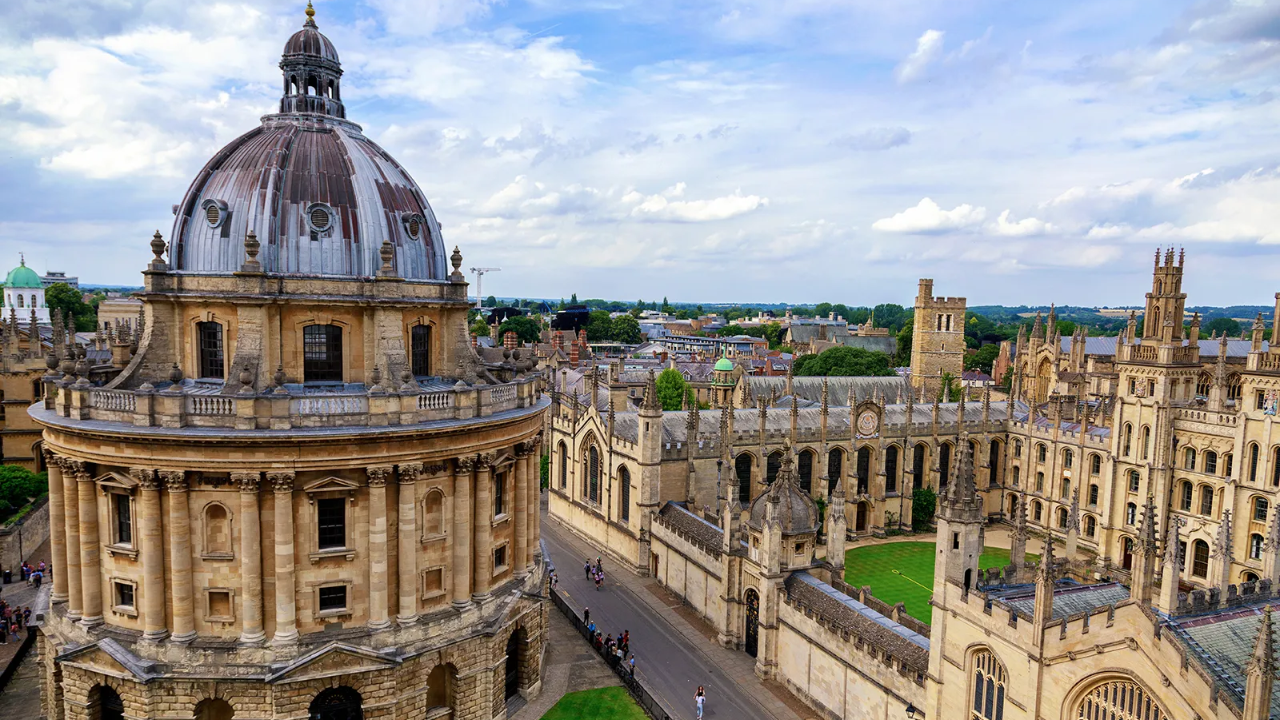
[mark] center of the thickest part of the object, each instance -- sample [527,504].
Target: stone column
[179,533]
[152,555]
[378,547]
[70,569]
[483,527]
[250,559]
[519,559]
[57,529]
[461,529]
[407,543]
[535,497]
[286,598]
[90,547]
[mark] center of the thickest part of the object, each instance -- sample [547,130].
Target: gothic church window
[593,475]
[1119,700]
[1260,507]
[564,466]
[891,469]
[989,680]
[772,466]
[624,502]
[742,468]
[1200,559]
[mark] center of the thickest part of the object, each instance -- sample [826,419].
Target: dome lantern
[312,73]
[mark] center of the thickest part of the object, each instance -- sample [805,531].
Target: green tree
[891,315]
[902,358]
[479,328]
[666,306]
[672,389]
[822,308]
[983,359]
[599,326]
[1222,325]
[544,469]
[18,486]
[573,299]
[924,501]
[843,361]
[525,328]
[1066,327]
[626,329]
[491,301]
[69,300]
[949,388]
[730,330]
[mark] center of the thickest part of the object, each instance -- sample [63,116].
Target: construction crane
[479,272]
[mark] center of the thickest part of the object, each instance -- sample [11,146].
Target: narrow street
[670,665]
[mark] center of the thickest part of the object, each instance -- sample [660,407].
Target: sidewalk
[733,666]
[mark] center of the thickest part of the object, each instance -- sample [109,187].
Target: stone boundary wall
[19,540]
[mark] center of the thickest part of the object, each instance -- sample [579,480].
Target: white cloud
[419,17]
[662,207]
[928,217]
[928,49]
[1020,228]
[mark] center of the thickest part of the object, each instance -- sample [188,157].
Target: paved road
[670,666]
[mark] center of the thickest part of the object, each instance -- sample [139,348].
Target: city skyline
[1018,155]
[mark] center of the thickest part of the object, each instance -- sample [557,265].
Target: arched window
[1188,494]
[1090,526]
[1066,488]
[624,502]
[1017,473]
[1226,464]
[1255,547]
[1127,447]
[217,529]
[835,468]
[1093,494]
[1146,441]
[1253,462]
[105,704]
[1039,482]
[1135,480]
[742,468]
[771,467]
[944,464]
[1260,507]
[1037,511]
[993,461]
[804,468]
[1275,466]
[1017,448]
[989,680]
[593,475]
[1062,518]
[564,466]
[1203,384]
[322,353]
[1119,700]
[1233,387]
[917,467]
[20,301]
[210,345]
[1211,462]
[433,513]
[1068,458]
[1206,500]
[1041,452]
[891,469]
[864,470]
[340,703]
[1095,464]
[1190,462]
[1200,559]
[1131,514]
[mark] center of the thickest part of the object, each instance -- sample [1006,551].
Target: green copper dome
[724,365]
[23,277]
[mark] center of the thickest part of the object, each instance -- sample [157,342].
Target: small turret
[1142,583]
[1260,673]
[1172,567]
[1043,612]
[1223,552]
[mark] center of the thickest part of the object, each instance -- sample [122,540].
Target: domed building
[23,293]
[294,490]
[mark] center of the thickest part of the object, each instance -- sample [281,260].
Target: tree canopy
[599,326]
[69,300]
[626,329]
[844,361]
[983,359]
[672,389]
[1222,325]
[525,328]
[480,328]
[18,485]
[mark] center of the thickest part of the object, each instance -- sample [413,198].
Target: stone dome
[321,197]
[23,277]
[797,510]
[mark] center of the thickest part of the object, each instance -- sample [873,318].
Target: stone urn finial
[388,253]
[175,374]
[246,376]
[456,260]
[251,249]
[158,247]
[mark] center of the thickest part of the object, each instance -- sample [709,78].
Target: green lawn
[903,572]
[611,702]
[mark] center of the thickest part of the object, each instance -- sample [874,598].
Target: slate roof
[810,388]
[1223,643]
[692,526]
[1107,346]
[1068,598]
[849,614]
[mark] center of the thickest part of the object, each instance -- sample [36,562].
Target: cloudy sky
[718,150]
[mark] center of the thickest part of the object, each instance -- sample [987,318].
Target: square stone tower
[937,339]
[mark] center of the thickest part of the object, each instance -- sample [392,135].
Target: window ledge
[501,569]
[348,553]
[126,610]
[434,537]
[221,620]
[339,612]
[500,519]
[124,550]
[433,594]
[218,556]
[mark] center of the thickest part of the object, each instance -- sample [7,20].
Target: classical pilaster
[151,551]
[70,569]
[250,559]
[407,543]
[483,513]
[175,482]
[535,497]
[520,558]
[462,483]
[378,547]
[90,545]
[57,527]
[286,595]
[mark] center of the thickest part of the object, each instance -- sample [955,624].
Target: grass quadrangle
[610,702]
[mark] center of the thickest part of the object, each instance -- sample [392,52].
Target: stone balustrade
[185,406]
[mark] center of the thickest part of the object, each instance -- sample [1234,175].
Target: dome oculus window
[413,225]
[215,212]
[320,217]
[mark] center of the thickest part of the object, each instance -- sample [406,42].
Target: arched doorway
[214,709]
[1126,554]
[440,685]
[860,518]
[513,663]
[105,704]
[751,638]
[340,703]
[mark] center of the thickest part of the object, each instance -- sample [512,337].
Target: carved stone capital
[281,482]
[174,480]
[465,465]
[77,469]
[146,478]
[378,475]
[524,449]
[485,461]
[248,482]
[410,472]
[50,457]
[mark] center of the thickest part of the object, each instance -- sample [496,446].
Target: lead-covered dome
[796,510]
[321,197]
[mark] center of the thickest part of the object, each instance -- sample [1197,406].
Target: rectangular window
[211,365]
[124,520]
[499,494]
[799,548]
[333,598]
[420,340]
[124,595]
[1206,501]
[331,516]
[322,353]
[499,558]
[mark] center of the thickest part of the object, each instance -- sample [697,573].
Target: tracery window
[1200,559]
[624,503]
[989,680]
[1120,700]
[593,474]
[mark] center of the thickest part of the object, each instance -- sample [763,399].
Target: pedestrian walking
[599,564]
[700,699]
[586,614]
[586,568]
[37,577]
[631,665]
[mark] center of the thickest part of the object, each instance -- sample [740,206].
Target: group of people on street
[595,572]
[616,650]
[12,620]
[34,574]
